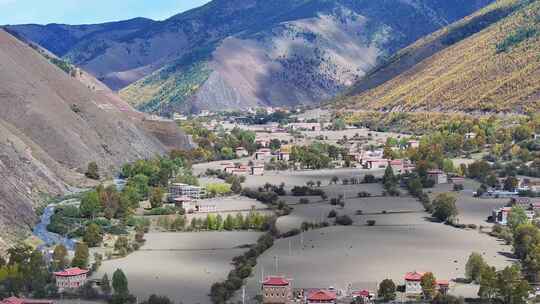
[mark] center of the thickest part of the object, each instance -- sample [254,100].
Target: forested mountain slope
[487,62]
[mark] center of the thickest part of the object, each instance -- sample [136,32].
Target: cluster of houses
[531,208]
[279,290]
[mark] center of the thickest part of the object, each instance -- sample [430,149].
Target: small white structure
[413,144]
[241,152]
[284,156]
[257,170]
[71,278]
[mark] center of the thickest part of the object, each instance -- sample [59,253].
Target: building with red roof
[276,290]
[71,278]
[321,296]
[414,288]
[15,300]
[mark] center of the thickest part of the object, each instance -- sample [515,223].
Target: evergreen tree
[387,290]
[60,257]
[81,256]
[92,235]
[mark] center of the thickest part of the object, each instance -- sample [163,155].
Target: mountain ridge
[296,52]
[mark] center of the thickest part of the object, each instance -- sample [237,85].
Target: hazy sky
[89,11]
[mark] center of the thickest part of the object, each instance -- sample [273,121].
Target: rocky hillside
[487,62]
[241,53]
[51,127]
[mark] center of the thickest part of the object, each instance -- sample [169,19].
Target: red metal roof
[70,272]
[276,281]
[322,295]
[414,276]
[443,283]
[15,300]
[361,293]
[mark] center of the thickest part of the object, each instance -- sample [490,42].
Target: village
[320,189]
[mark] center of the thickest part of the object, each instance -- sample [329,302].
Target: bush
[458,187]
[371,222]
[161,211]
[332,214]
[304,201]
[369,179]
[359,212]
[364,194]
[344,220]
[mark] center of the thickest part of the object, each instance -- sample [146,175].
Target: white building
[71,278]
[241,152]
[179,190]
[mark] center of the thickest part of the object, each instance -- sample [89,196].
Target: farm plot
[181,266]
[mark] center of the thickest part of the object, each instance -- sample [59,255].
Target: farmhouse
[321,296]
[500,215]
[276,290]
[70,278]
[179,190]
[263,154]
[376,163]
[413,287]
[437,176]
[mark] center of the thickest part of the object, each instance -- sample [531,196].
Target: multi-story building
[276,290]
[71,278]
[180,190]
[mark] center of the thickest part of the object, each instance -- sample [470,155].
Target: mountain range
[234,54]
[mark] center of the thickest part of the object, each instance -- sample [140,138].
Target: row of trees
[252,221]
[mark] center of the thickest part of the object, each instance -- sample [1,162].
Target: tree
[90,204]
[517,217]
[236,186]
[429,285]
[387,290]
[334,179]
[510,183]
[60,257]
[105,285]
[92,235]
[488,283]
[474,267]
[92,171]
[122,245]
[156,197]
[511,288]
[444,207]
[81,256]
[121,293]
[525,237]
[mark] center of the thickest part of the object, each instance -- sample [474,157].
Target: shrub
[344,220]
[304,201]
[364,194]
[371,222]
[359,212]
[332,213]
[369,179]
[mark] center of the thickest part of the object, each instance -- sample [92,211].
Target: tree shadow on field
[509,255]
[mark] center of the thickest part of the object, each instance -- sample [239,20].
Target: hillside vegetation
[488,62]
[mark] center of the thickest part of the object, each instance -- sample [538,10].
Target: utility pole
[276,260]
[244,294]
[290,249]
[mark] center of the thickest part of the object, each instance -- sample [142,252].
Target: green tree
[92,235]
[525,237]
[387,290]
[90,204]
[444,207]
[60,257]
[429,285]
[81,256]
[140,183]
[474,267]
[121,245]
[488,283]
[510,183]
[236,186]
[92,171]
[105,285]
[517,217]
[156,197]
[120,283]
[511,288]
